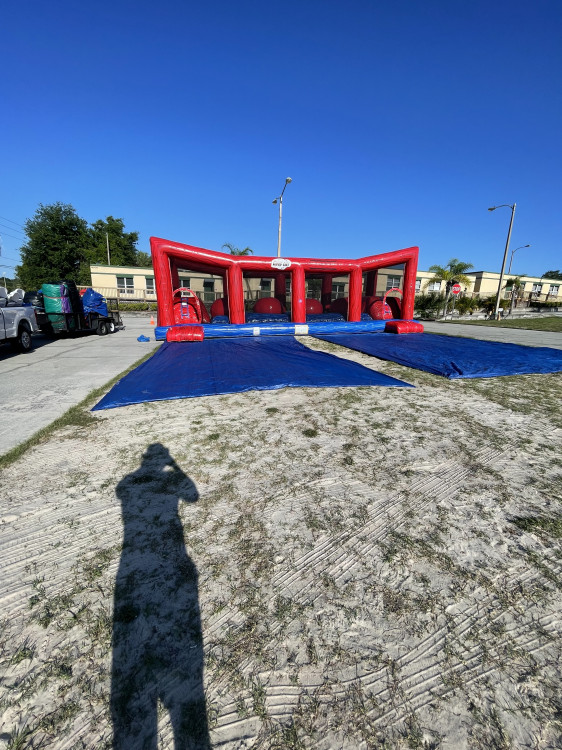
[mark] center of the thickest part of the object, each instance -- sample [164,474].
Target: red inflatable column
[298,289]
[162,277]
[235,294]
[326,295]
[225,291]
[371,283]
[281,289]
[409,290]
[175,276]
[355,293]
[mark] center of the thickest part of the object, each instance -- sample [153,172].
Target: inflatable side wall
[169,257]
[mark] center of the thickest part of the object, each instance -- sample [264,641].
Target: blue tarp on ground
[216,366]
[451,356]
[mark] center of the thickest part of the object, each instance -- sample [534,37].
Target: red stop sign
[456,288]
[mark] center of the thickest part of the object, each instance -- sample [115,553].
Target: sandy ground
[302,568]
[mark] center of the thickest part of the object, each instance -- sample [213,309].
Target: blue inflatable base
[453,357]
[218,366]
[230,330]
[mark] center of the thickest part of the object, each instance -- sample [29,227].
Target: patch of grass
[310,432]
[271,410]
[20,738]
[540,525]
[550,323]
[25,651]
[76,416]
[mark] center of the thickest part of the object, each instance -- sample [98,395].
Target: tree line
[62,245]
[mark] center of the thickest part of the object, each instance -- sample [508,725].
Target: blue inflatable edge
[281,329]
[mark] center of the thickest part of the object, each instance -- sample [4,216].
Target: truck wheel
[103,328]
[23,341]
[111,327]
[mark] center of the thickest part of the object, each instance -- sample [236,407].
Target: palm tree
[453,273]
[236,251]
[516,285]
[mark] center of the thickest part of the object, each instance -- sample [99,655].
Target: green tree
[122,245]
[57,247]
[453,273]
[552,275]
[144,260]
[236,251]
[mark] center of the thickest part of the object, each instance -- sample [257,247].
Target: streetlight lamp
[503,205]
[280,200]
[513,253]
[4,274]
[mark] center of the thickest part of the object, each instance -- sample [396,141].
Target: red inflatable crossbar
[403,326]
[171,257]
[185,333]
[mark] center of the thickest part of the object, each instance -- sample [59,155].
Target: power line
[5,257]
[12,229]
[5,234]
[12,222]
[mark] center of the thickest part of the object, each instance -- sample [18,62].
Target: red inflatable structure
[176,305]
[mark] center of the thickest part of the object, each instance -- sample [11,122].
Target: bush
[488,304]
[428,305]
[537,303]
[464,305]
[138,306]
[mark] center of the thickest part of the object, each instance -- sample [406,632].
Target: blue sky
[400,122]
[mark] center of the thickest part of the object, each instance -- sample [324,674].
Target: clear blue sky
[399,121]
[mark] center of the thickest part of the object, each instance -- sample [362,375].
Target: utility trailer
[55,323]
[98,315]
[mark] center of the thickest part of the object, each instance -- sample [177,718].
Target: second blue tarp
[217,366]
[451,356]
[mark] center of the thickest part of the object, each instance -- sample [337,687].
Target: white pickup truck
[17,322]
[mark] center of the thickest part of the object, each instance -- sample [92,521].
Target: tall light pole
[4,275]
[503,205]
[280,201]
[513,253]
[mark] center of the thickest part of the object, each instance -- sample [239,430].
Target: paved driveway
[38,387]
[506,335]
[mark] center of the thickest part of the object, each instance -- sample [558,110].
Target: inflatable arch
[169,257]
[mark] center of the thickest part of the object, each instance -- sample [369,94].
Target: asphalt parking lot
[38,387]
[505,335]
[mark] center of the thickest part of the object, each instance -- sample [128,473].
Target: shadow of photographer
[157,641]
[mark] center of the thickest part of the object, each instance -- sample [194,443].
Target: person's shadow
[157,641]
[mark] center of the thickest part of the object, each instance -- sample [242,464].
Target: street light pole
[503,205]
[512,254]
[280,201]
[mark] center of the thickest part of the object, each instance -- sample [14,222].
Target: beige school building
[137,284]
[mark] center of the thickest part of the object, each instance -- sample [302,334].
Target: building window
[537,289]
[554,289]
[392,282]
[149,284]
[434,286]
[185,281]
[126,284]
[338,290]
[418,285]
[209,290]
[265,285]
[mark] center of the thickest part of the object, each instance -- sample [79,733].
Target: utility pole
[107,242]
